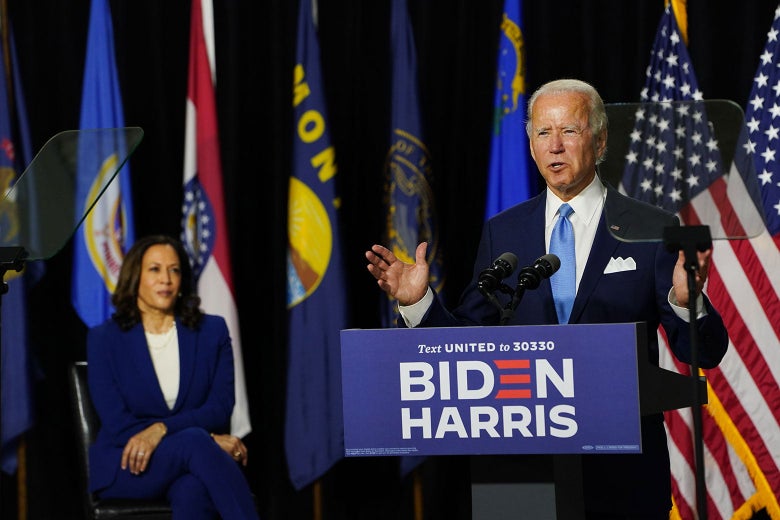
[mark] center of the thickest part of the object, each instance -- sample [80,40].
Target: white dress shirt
[588,206]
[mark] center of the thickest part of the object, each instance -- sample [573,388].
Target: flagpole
[316,491]
[702,233]
[6,58]
[418,494]
[21,480]
[691,239]
[680,9]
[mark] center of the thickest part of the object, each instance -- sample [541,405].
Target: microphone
[543,267]
[530,277]
[503,266]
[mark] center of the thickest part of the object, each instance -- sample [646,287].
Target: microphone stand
[509,311]
[506,312]
[691,239]
[528,278]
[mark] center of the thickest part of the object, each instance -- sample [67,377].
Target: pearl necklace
[161,341]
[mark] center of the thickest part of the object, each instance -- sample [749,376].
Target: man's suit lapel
[524,234]
[536,236]
[604,245]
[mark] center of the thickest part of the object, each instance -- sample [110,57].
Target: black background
[605,42]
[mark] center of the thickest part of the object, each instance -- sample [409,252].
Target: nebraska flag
[204,228]
[410,206]
[674,162]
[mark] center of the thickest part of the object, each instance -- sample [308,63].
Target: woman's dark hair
[125,297]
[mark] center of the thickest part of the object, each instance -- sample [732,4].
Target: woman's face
[160,280]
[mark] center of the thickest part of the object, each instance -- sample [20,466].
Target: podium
[541,396]
[42,208]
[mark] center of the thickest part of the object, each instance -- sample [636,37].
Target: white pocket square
[619,264]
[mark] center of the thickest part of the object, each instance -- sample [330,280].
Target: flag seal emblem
[104,231]
[410,200]
[311,242]
[512,57]
[197,225]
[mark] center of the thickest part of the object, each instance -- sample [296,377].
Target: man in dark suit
[613,281]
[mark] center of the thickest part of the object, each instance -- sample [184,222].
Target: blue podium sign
[547,389]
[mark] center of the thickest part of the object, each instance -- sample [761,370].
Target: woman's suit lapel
[188,344]
[141,365]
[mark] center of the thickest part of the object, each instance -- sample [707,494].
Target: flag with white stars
[680,158]
[673,154]
[762,117]
[204,220]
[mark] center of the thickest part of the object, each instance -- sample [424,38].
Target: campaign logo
[473,398]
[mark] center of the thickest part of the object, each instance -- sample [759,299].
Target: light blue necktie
[564,282]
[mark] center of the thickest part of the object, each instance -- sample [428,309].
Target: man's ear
[601,144]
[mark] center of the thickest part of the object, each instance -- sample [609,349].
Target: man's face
[562,143]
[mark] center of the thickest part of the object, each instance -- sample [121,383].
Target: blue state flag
[511,177]
[15,152]
[316,287]
[410,205]
[411,208]
[107,231]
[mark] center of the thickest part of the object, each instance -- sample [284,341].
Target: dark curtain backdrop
[605,42]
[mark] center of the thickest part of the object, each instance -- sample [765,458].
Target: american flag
[675,161]
[762,116]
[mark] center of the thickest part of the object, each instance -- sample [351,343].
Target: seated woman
[160,373]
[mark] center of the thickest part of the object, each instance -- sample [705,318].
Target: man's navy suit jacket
[640,483]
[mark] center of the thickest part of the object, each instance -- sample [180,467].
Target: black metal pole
[701,487]
[689,240]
